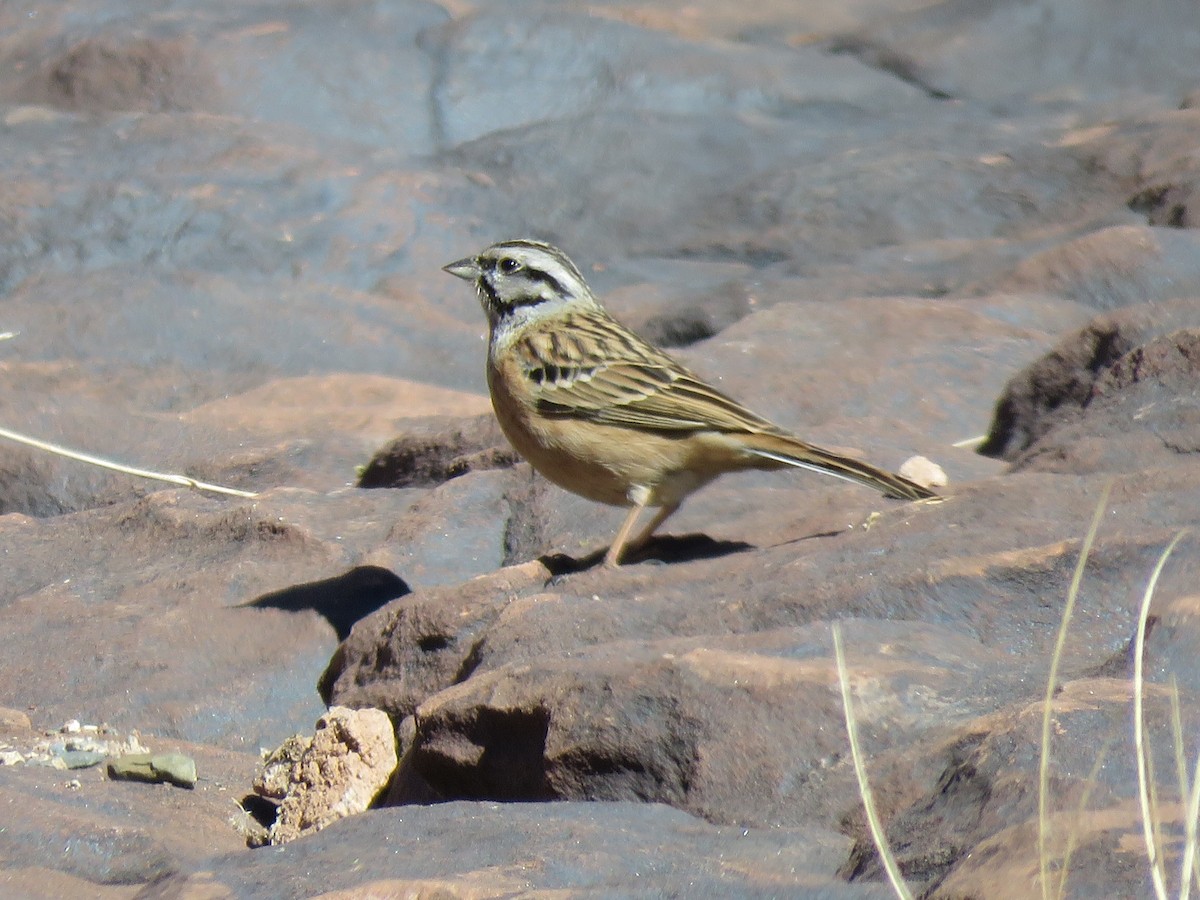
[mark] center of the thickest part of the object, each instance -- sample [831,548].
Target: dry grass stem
[1144,764]
[1187,868]
[1051,684]
[181,480]
[860,771]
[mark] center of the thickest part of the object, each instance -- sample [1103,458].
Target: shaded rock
[255,61]
[739,730]
[429,638]
[343,599]
[695,301]
[830,200]
[1152,154]
[101,854]
[773,21]
[96,315]
[337,773]
[353,73]
[279,206]
[1054,389]
[479,848]
[1143,411]
[978,828]
[436,450]
[26,486]
[278,767]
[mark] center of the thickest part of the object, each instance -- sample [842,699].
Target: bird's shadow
[342,600]
[666,549]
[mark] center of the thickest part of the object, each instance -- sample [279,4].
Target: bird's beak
[467,269]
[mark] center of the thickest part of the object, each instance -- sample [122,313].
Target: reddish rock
[478,849]
[1115,267]
[222,231]
[1055,388]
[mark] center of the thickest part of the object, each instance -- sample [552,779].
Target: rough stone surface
[338,772]
[494,850]
[1056,388]
[883,224]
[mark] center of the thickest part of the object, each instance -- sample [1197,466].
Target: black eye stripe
[537,275]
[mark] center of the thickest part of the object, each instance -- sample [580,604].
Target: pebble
[171,768]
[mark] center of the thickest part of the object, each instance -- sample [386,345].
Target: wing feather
[607,374]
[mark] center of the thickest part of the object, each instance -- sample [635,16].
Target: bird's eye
[508,265]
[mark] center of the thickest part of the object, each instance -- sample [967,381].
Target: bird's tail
[785,450]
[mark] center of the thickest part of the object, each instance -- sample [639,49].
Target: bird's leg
[661,516]
[639,498]
[612,558]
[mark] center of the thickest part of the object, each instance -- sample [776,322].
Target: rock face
[883,225]
[337,772]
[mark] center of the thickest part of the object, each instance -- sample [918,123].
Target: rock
[1053,390]
[485,847]
[111,835]
[85,759]
[1115,267]
[429,641]
[348,762]
[986,797]
[221,233]
[372,406]
[924,472]
[279,766]
[13,720]
[100,74]
[1142,412]
[435,450]
[1009,56]
[172,768]
[669,682]
[474,97]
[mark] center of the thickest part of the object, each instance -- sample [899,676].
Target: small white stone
[924,472]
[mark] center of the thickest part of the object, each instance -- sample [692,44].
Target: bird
[607,415]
